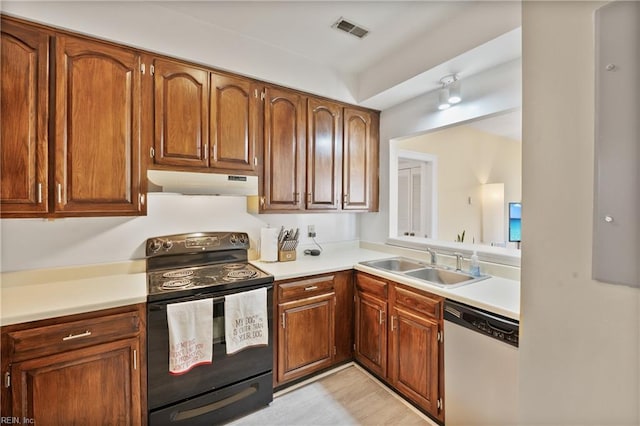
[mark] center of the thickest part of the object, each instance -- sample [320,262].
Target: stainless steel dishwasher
[480,367]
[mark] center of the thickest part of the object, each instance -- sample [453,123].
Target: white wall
[41,243]
[487,93]
[580,339]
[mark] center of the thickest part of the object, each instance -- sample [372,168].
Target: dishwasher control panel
[487,323]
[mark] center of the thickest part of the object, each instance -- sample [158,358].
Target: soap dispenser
[475,265]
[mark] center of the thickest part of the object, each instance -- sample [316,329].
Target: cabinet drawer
[39,341]
[369,284]
[305,288]
[429,305]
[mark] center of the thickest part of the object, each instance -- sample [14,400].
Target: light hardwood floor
[349,396]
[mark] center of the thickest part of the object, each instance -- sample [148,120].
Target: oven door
[166,389]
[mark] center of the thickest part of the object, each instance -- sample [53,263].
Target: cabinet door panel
[234,120]
[24,72]
[371,333]
[181,97]
[360,173]
[101,386]
[284,150]
[306,341]
[414,358]
[324,154]
[98,127]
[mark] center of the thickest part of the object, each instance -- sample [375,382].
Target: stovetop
[204,262]
[180,282]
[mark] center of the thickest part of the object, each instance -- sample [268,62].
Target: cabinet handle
[381,312]
[59,194]
[77,336]
[215,152]
[311,287]
[296,197]
[135,359]
[345,198]
[283,320]
[262,201]
[39,193]
[142,197]
[393,325]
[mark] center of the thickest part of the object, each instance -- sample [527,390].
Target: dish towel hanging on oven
[190,334]
[245,320]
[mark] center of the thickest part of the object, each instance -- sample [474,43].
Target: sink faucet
[434,258]
[458,261]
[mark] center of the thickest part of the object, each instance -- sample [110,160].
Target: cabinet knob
[608,219]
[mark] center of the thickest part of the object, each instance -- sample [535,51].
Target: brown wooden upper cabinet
[204,120]
[97,122]
[284,149]
[341,167]
[360,160]
[24,97]
[100,101]
[181,114]
[236,110]
[324,155]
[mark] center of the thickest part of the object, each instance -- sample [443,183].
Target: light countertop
[48,293]
[40,294]
[334,257]
[496,294]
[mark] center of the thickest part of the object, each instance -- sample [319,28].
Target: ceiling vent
[351,28]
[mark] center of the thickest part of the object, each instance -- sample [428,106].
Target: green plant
[460,237]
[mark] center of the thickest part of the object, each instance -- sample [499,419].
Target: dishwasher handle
[486,323]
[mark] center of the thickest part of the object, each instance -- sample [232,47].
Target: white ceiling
[508,125]
[410,47]
[304,28]
[400,32]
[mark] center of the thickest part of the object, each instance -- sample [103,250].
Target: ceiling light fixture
[443,99]
[449,94]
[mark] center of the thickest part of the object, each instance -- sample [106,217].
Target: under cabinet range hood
[189,183]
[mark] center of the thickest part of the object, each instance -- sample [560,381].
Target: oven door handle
[159,307]
[200,411]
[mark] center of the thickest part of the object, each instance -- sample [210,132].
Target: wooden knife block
[286,255]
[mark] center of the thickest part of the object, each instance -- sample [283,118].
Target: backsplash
[42,243]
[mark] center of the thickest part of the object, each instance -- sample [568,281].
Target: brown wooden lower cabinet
[398,334]
[315,325]
[84,369]
[371,323]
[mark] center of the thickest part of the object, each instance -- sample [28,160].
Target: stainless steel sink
[440,276]
[437,275]
[397,264]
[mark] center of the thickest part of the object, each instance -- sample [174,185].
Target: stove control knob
[243,239]
[167,244]
[154,246]
[233,239]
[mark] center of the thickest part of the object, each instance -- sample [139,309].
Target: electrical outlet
[311,231]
